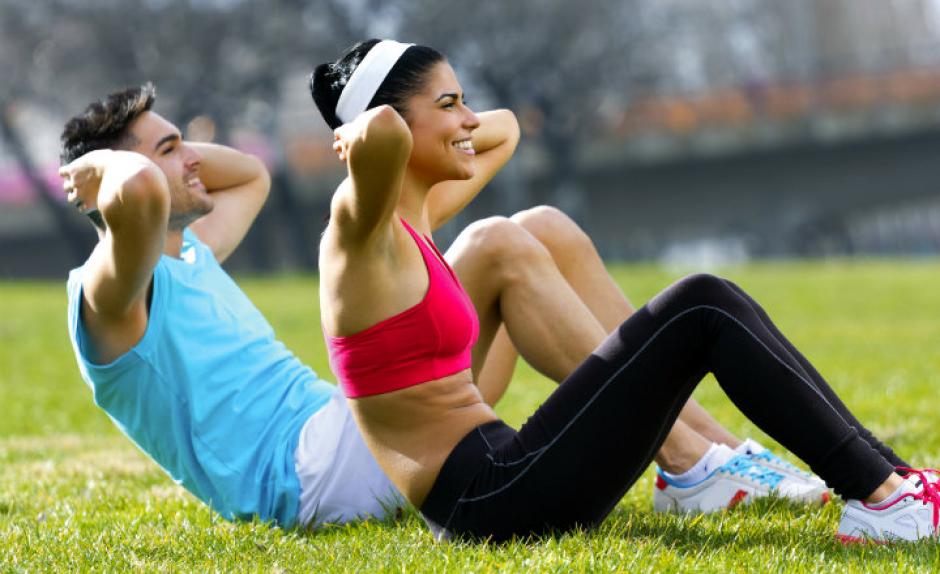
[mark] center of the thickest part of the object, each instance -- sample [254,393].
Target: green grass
[76,495]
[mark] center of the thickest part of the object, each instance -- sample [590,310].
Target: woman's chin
[466,172]
[458,175]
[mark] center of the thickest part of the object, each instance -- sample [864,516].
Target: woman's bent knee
[700,289]
[702,282]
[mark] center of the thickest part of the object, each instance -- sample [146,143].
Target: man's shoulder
[75,274]
[73,282]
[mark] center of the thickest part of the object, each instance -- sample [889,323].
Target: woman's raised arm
[494,142]
[375,146]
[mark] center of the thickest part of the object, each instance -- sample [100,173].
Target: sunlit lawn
[76,495]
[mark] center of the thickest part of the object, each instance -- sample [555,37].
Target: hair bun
[325,92]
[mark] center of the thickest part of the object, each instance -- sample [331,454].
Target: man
[172,349]
[189,369]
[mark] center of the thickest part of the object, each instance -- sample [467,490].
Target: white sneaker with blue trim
[765,457]
[740,480]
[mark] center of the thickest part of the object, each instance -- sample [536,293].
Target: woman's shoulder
[343,238]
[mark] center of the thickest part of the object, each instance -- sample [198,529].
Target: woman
[400,328]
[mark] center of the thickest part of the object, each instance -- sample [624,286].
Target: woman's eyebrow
[454,95]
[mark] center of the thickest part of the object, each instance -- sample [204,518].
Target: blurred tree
[22,54]
[227,59]
[554,62]
[569,69]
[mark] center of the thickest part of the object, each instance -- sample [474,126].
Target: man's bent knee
[543,219]
[499,241]
[554,229]
[490,235]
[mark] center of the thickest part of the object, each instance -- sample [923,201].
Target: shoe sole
[847,540]
[741,496]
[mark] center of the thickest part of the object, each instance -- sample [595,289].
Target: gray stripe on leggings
[621,369]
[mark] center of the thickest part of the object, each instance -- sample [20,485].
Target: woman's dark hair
[405,79]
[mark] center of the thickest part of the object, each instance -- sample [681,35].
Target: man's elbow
[144,195]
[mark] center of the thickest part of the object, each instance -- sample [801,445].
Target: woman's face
[441,125]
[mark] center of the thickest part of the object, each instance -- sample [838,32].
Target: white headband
[367,77]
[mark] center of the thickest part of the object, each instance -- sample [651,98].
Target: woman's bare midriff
[412,431]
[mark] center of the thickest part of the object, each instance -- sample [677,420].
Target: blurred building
[728,130]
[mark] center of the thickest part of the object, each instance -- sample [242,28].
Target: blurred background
[689,132]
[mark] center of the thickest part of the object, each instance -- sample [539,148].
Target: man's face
[162,142]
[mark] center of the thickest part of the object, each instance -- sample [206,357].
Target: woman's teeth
[464,144]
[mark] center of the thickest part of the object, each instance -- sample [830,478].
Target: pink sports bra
[429,341]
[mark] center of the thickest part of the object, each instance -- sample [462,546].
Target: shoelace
[744,466]
[930,491]
[771,457]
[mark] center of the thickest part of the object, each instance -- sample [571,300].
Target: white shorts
[339,479]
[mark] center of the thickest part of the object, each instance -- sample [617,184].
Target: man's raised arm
[132,195]
[238,184]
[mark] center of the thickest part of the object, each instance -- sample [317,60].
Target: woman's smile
[465,146]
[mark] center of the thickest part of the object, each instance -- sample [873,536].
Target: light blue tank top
[208,392]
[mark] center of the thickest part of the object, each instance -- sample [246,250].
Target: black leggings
[573,460]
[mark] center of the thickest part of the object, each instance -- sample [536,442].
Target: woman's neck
[412,203]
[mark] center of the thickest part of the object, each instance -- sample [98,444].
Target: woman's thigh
[585,446]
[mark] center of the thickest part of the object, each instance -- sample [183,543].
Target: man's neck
[173,245]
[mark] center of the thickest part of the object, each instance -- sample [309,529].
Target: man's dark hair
[104,125]
[405,79]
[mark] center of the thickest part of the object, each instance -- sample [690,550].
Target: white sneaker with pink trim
[912,515]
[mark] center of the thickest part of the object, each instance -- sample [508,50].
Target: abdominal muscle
[412,431]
